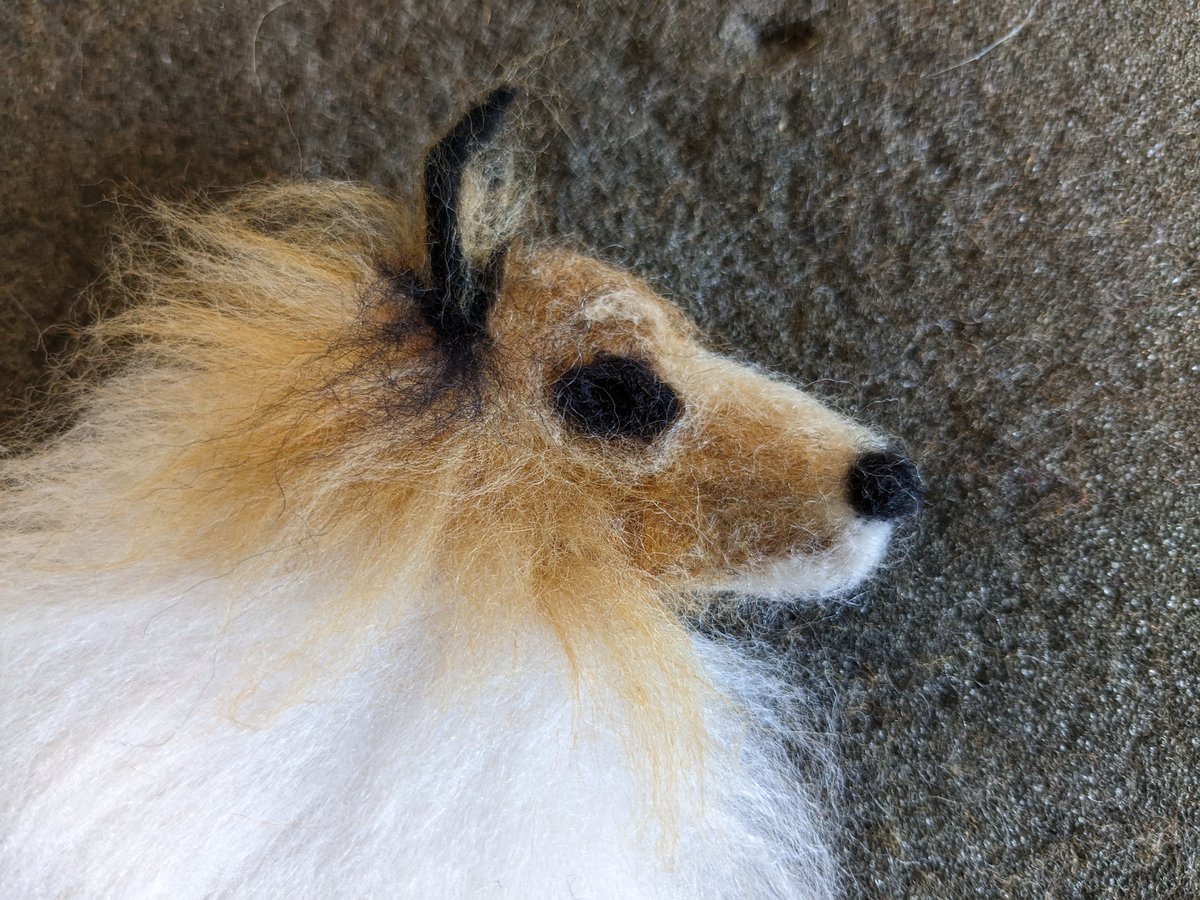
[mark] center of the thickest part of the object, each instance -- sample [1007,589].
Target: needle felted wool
[366,566]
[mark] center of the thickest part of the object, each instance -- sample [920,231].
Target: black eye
[616,396]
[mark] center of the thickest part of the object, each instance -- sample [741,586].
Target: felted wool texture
[356,787]
[243,480]
[990,255]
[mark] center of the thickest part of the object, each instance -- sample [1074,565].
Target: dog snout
[884,484]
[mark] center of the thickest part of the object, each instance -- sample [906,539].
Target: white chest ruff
[156,745]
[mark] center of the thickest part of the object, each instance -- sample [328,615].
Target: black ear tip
[484,118]
[501,97]
[471,132]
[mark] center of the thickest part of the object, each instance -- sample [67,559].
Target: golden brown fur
[261,360]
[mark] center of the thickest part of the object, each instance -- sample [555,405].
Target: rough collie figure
[365,566]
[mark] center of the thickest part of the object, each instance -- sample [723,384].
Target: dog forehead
[627,305]
[568,292]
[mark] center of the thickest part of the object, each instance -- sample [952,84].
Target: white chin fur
[833,572]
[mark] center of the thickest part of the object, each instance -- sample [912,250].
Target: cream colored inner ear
[491,205]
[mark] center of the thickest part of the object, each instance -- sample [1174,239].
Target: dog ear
[461,292]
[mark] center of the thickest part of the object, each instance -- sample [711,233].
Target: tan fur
[254,366]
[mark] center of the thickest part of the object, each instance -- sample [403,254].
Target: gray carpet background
[975,225]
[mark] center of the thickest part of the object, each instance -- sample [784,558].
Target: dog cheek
[729,519]
[687,531]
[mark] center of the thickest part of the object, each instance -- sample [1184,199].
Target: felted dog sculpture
[365,568]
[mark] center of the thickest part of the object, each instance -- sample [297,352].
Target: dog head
[696,471]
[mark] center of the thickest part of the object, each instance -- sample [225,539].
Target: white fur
[837,570]
[196,736]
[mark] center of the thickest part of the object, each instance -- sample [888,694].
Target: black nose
[884,484]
